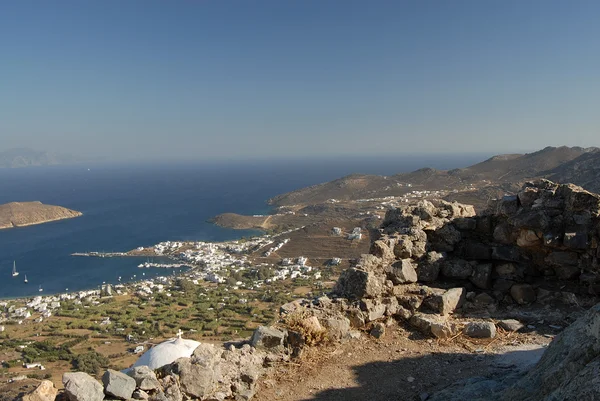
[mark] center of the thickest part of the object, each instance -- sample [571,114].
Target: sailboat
[25,281]
[40,289]
[15,273]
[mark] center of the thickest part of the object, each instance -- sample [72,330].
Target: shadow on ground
[417,378]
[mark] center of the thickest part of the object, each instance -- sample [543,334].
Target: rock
[506,253]
[381,250]
[410,302]
[402,272]
[503,285]
[504,233]
[145,378]
[477,251]
[431,324]
[357,318]
[482,276]
[457,268]
[338,327]
[576,240]
[45,391]
[444,239]
[374,309]
[528,238]
[354,283]
[429,269]
[292,306]
[484,299]
[566,264]
[118,385]
[140,395]
[267,338]
[403,247]
[523,293]
[441,330]
[80,386]
[480,330]
[446,302]
[370,263]
[378,330]
[391,305]
[511,324]
[568,370]
[506,271]
[199,374]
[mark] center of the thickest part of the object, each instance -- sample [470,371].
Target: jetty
[102,254]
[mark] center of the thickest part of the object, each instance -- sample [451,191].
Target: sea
[127,205]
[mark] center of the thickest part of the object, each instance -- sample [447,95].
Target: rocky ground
[401,365]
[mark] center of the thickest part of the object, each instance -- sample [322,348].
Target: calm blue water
[126,206]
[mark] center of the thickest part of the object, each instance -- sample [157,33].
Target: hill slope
[565,163]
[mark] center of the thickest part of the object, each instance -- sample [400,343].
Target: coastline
[40,222]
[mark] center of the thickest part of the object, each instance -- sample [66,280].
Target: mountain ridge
[27,157]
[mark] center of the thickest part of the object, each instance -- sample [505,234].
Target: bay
[128,205]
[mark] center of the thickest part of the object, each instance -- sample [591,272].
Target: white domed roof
[167,352]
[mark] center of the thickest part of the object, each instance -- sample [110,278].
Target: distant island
[25,157]
[21,214]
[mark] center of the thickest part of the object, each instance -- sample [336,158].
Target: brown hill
[583,171]
[20,214]
[497,171]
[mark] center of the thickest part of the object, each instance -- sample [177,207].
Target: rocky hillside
[583,171]
[494,174]
[20,214]
[24,157]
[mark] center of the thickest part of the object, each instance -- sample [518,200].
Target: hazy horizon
[231,80]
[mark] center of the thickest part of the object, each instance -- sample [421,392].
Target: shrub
[90,362]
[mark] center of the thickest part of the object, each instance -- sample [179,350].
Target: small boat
[40,289]
[25,281]
[15,273]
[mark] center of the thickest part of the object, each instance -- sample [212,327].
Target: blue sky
[231,79]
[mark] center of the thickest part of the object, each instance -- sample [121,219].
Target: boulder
[378,330]
[145,378]
[402,272]
[457,268]
[373,308]
[292,306]
[118,385]
[355,283]
[140,395]
[511,324]
[267,338]
[482,276]
[474,250]
[45,391]
[568,370]
[383,251]
[429,268]
[480,330]
[528,238]
[80,386]
[198,375]
[370,263]
[434,325]
[403,247]
[338,327]
[523,293]
[444,239]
